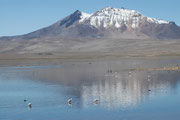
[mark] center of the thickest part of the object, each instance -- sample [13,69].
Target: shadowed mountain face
[160,31]
[79,27]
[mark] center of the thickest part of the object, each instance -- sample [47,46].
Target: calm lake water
[123,94]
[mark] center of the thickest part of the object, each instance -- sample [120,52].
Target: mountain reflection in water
[117,89]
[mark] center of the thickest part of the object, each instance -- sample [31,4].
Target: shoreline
[83,55]
[59,58]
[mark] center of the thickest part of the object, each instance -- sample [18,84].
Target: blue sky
[24,16]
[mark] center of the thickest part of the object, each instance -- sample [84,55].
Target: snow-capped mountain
[113,17]
[109,24]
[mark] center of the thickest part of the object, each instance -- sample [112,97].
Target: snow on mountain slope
[113,17]
[84,16]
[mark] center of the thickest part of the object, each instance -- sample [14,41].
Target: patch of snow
[153,20]
[84,16]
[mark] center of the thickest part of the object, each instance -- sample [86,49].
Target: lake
[122,93]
